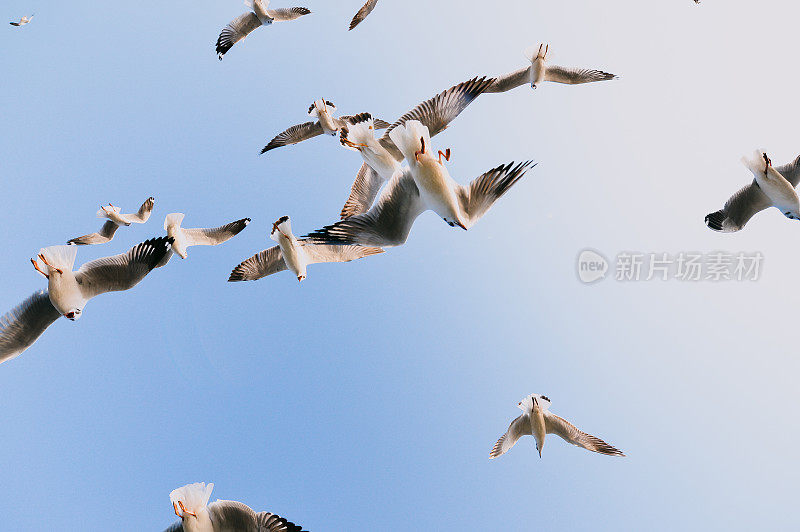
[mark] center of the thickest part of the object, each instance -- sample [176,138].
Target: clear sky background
[369,396]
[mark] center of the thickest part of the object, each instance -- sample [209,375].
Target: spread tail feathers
[409,138]
[174,219]
[193,497]
[61,257]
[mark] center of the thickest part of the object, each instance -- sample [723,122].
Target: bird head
[74,314]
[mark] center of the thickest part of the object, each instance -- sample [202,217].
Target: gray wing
[437,112]
[269,522]
[235,31]
[287,13]
[476,198]
[124,271]
[105,234]
[574,76]
[510,81]
[738,210]
[144,212]
[318,253]
[566,430]
[791,171]
[24,324]
[386,224]
[363,192]
[365,10]
[518,428]
[232,516]
[217,235]
[376,122]
[177,526]
[259,265]
[293,135]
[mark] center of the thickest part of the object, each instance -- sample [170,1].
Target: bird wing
[518,428]
[269,522]
[231,516]
[259,265]
[144,212]
[105,234]
[738,210]
[235,31]
[293,135]
[387,223]
[791,171]
[216,235]
[287,13]
[318,253]
[567,431]
[510,81]
[363,192]
[574,76]
[437,112]
[177,526]
[15,23]
[365,10]
[124,271]
[25,323]
[478,197]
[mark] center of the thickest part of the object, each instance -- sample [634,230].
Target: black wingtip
[715,220]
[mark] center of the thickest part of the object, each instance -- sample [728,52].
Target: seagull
[294,254]
[243,25]
[539,71]
[326,124]
[68,291]
[183,238]
[537,420]
[382,157]
[190,503]
[365,10]
[22,21]
[758,195]
[425,185]
[115,219]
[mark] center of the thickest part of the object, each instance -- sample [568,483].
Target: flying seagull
[539,71]
[183,238]
[424,185]
[538,421]
[68,291]
[22,21]
[243,25]
[294,254]
[756,197]
[365,10]
[115,219]
[382,157]
[190,503]
[325,123]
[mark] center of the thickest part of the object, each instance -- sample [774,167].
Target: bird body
[538,421]
[23,21]
[322,110]
[115,220]
[780,192]
[359,135]
[184,237]
[293,254]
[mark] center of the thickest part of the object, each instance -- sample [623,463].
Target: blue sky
[369,396]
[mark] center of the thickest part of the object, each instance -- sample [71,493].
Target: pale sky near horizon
[368,397]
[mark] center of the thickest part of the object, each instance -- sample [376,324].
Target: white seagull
[294,254]
[539,71]
[538,421]
[771,187]
[325,124]
[243,25]
[382,157]
[115,219]
[183,238]
[190,503]
[424,185]
[68,291]
[22,21]
[365,10]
